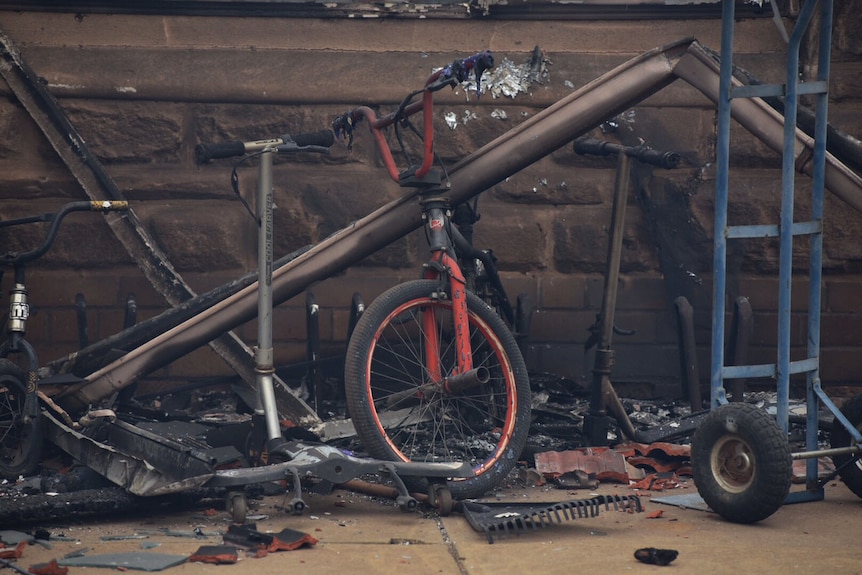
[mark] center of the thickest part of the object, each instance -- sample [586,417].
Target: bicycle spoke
[404,410]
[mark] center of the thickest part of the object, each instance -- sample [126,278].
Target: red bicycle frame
[436,212]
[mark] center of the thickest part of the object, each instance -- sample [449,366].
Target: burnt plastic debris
[285,540]
[654,556]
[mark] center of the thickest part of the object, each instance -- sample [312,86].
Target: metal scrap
[509,79]
[286,540]
[138,560]
[503,519]
[50,568]
[657,482]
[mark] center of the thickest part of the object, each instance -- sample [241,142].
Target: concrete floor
[360,534]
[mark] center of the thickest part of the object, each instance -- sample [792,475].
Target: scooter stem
[263,354]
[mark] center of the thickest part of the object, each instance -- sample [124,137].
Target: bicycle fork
[443,266]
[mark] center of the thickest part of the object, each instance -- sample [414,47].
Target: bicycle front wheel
[20,437]
[399,416]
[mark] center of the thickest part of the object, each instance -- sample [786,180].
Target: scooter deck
[154,458]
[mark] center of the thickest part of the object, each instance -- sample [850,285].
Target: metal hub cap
[733,463]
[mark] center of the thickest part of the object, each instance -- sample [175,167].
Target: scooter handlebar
[595,147]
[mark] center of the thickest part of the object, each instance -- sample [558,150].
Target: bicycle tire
[20,440]
[486,425]
[850,471]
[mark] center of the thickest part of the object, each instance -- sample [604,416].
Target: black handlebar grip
[323,138]
[594,147]
[666,160]
[206,152]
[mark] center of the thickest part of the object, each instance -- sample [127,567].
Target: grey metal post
[264,366]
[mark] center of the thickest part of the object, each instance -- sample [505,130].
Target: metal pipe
[604,352]
[699,69]
[785,228]
[537,137]
[264,364]
[469,379]
[688,352]
[450,386]
[717,394]
[815,453]
[741,339]
[815,270]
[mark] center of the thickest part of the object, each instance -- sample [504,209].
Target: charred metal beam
[554,127]
[93,356]
[700,68]
[98,185]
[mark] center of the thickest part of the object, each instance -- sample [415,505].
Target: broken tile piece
[50,568]
[15,552]
[604,463]
[657,482]
[215,554]
[577,480]
[285,540]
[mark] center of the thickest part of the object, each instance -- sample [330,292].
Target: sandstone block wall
[143,90]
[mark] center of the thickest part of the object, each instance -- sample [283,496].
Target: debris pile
[654,467]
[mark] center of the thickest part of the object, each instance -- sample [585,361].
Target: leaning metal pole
[554,127]
[44,109]
[557,125]
[264,360]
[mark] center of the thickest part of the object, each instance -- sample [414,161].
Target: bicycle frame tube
[443,264]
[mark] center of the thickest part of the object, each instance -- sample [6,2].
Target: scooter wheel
[440,498]
[237,507]
[741,463]
[297,506]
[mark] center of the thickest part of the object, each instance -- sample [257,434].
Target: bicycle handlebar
[56,218]
[456,72]
[592,146]
[309,142]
